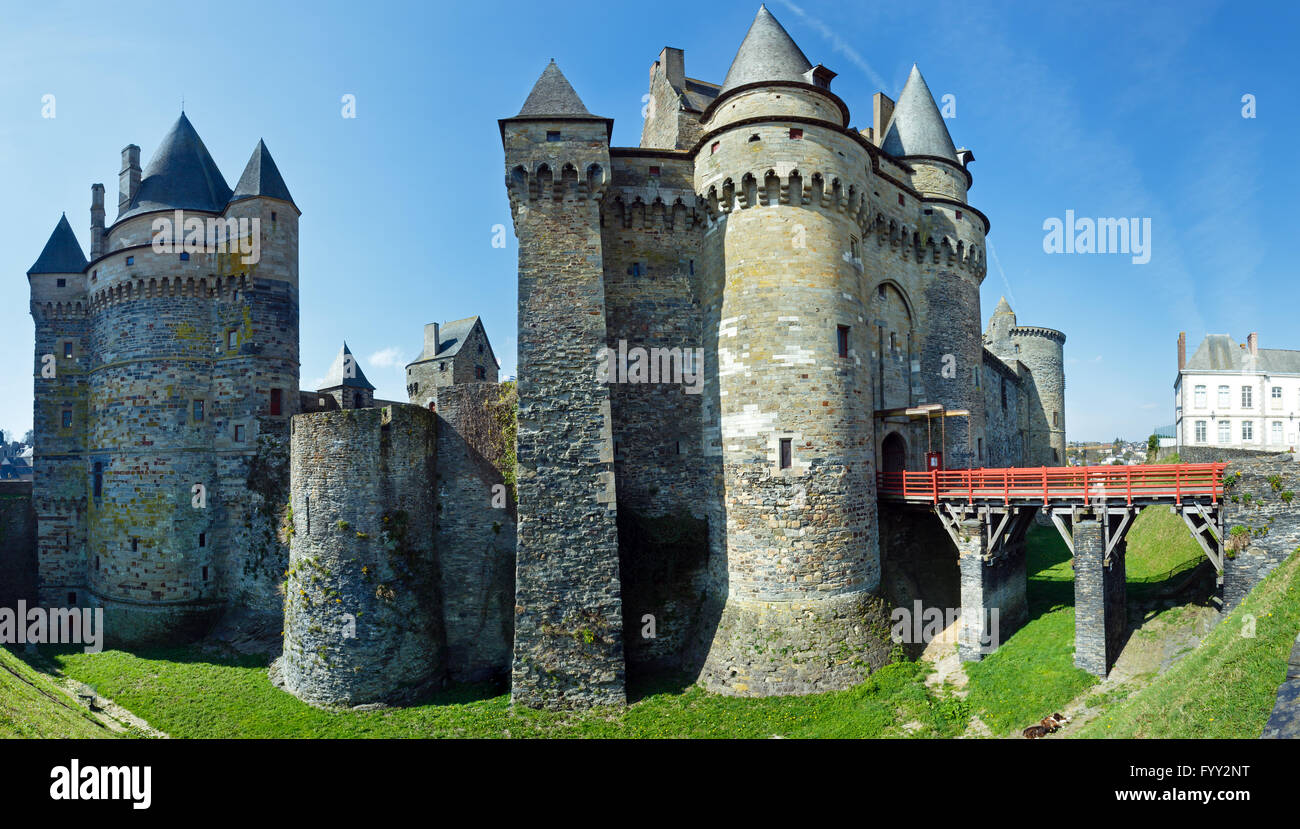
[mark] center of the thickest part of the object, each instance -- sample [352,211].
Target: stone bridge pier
[991,554]
[1100,601]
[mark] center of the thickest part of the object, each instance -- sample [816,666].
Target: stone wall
[362,616]
[17,543]
[475,533]
[1004,403]
[1217,454]
[568,609]
[1261,518]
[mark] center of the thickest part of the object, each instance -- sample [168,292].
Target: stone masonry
[1100,609]
[1262,520]
[362,619]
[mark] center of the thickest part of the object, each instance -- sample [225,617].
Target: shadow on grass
[46,661]
[1051,578]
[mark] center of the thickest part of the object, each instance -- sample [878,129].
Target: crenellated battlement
[670,213]
[1036,331]
[541,183]
[214,287]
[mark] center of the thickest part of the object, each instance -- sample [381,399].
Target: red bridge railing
[1076,484]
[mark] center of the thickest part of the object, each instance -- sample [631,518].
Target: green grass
[1032,674]
[1159,542]
[31,705]
[188,694]
[1226,687]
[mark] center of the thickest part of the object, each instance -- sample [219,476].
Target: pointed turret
[181,175]
[552,95]
[917,127]
[345,372]
[1004,307]
[767,53]
[62,253]
[261,178]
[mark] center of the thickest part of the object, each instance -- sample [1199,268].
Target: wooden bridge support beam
[1100,607]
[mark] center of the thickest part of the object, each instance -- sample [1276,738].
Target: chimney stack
[128,182]
[882,109]
[1182,350]
[673,62]
[96,221]
[431,339]
[1252,343]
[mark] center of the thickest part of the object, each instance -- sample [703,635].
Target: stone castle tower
[1040,352]
[165,375]
[830,276]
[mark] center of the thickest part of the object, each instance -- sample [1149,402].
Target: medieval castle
[727,528]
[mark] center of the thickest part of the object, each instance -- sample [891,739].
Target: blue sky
[1110,109]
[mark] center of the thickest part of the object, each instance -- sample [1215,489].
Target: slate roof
[917,127]
[767,53]
[552,95]
[1004,307]
[62,253]
[334,377]
[261,178]
[451,336]
[1219,352]
[699,94]
[181,175]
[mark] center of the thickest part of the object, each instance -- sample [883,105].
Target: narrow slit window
[842,340]
[786,453]
[275,401]
[99,479]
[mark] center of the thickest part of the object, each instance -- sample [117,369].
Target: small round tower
[1042,352]
[362,621]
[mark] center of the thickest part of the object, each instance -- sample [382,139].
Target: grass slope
[1226,687]
[188,694]
[31,706]
[1032,674]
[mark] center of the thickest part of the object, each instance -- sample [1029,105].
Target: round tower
[362,621]
[1042,351]
[796,559]
[194,331]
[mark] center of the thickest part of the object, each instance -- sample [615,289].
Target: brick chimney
[1252,343]
[1182,350]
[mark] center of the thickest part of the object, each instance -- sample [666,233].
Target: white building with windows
[1237,395]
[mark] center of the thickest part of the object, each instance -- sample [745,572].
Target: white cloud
[390,357]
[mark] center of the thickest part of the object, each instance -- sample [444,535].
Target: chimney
[1252,343]
[128,182]
[673,62]
[431,339]
[1182,350]
[882,109]
[96,221]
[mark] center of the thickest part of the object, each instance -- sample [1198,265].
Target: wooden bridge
[987,513]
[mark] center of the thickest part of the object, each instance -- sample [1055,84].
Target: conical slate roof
[767,53]
[916,127]
[1004,307]
[552,95]
[62,253]
[334,378]
[181,175]
[261,178]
